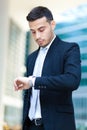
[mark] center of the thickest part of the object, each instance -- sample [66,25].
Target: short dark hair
[39,12]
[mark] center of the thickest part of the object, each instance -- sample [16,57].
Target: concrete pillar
[3,51]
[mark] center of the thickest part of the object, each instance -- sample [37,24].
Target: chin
[41,45]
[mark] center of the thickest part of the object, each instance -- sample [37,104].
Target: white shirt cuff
[32,80]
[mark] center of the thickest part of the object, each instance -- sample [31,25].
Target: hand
[21,83]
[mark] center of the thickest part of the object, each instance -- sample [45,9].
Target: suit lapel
[53,50]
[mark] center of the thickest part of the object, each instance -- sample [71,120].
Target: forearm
[62,82]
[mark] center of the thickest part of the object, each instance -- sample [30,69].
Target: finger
[15,86]
[20,87]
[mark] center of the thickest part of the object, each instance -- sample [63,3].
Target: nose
[37,35]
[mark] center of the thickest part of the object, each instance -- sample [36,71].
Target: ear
[53,24]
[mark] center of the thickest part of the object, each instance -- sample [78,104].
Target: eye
[42,29]
[33,32]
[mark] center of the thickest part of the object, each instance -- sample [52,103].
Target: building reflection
[73,27]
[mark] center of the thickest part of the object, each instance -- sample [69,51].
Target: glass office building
[73,28]
[15,67]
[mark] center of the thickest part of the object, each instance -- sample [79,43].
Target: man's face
[42,31]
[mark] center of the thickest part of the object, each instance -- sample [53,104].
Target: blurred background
[16,43]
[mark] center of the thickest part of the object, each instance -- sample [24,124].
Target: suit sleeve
[70,79]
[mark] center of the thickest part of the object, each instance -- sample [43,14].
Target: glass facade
[73,28]
[15,67]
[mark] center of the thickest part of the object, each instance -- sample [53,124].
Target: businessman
[53,73]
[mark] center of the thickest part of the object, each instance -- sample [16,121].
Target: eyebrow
[38,28]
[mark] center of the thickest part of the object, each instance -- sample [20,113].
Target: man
[53,72]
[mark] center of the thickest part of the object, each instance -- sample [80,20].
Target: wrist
[32,81]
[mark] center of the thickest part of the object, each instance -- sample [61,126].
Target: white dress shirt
[35,108]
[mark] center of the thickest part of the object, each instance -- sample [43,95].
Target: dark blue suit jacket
[61,75]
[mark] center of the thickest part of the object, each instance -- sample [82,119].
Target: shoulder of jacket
[69,44]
